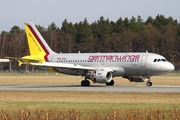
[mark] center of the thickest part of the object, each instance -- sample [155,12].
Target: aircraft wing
[62,65]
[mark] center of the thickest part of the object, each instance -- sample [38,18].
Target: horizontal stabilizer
[4,60]
[24,60]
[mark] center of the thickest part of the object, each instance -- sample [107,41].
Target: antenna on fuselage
[146,51]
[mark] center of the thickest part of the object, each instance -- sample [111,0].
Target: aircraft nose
[169,67]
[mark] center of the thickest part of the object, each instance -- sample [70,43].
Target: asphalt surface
[92,88]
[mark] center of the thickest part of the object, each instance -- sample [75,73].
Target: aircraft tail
[39,49]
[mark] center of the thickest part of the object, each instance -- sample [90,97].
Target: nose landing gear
[149,83]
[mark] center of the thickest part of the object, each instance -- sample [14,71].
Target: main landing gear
[87,83]
[149,83]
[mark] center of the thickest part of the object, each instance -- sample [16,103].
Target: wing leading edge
[62,65]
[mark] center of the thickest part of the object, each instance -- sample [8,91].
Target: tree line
[158,35]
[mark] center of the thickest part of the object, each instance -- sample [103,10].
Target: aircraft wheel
[149,83]
[111,83]
[85,83]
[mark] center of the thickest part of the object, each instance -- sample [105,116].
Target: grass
[84,106]
[90,111]
[89,97]
[89,105]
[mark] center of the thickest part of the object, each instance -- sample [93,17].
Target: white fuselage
[122,64]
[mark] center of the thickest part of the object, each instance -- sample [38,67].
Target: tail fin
[39,49]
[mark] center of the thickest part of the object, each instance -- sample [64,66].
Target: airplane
[95,67]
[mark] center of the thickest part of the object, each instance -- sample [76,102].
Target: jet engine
[101,76]
[137,79]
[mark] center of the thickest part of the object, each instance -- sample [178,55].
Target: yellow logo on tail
[35,44]
[39,49]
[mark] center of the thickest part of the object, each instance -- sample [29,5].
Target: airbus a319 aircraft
[97,67]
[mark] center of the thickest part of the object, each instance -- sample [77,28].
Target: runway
[92,88]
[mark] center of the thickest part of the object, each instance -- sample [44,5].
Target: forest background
[157,35]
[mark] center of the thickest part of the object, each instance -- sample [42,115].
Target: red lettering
[113,57]
[90,58]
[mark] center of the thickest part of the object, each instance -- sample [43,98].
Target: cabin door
[143,60]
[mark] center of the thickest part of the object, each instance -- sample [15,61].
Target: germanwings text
[113,57]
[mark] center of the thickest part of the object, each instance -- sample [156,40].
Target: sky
[44,12]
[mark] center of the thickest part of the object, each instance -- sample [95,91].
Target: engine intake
[101,76]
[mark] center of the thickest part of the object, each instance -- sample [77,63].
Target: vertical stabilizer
[37,45]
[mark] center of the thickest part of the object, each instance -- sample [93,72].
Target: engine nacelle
[137,79]
[101,76]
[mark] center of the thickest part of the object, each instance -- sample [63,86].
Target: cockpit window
[160,60]
[164,60]
[155,60]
